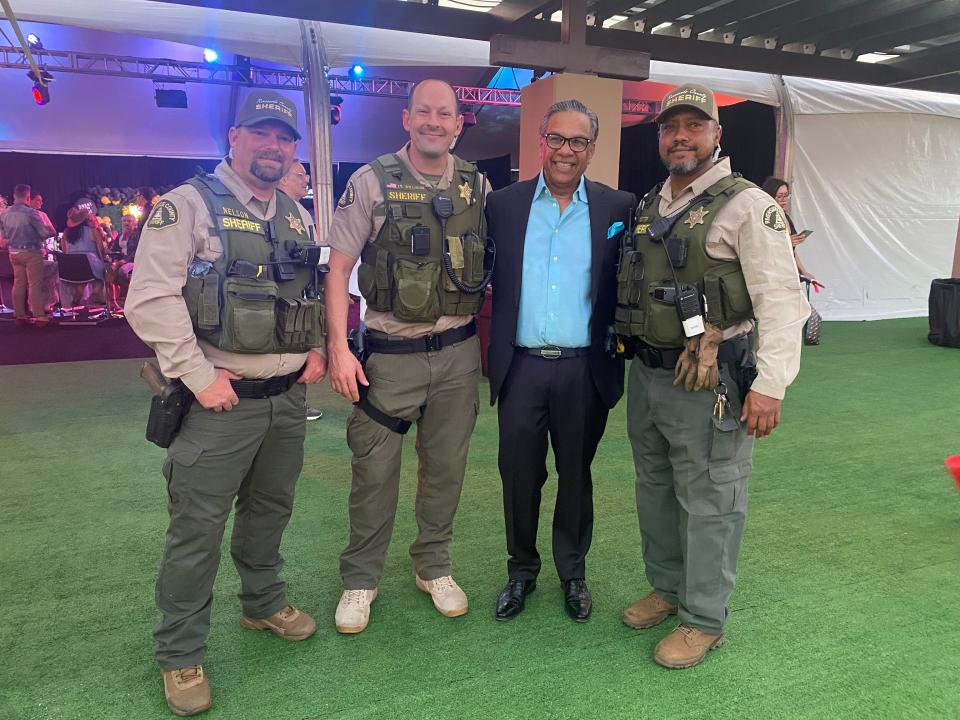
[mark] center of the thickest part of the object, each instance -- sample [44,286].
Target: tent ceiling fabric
[265,37]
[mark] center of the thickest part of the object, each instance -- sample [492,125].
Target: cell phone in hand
[806,233]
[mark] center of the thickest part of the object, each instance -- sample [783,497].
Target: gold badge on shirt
[466,192]
[695,217]
[295,223]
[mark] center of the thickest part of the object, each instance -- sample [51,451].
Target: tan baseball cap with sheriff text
[689,97]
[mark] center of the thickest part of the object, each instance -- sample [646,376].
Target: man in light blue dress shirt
[553,302]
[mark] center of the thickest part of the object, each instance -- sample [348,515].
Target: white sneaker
[353,610]
[448,598]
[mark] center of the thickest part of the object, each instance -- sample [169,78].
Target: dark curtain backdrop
[749,139]
[58,177]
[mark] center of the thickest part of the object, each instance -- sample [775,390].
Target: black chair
[6,276]
[75,269]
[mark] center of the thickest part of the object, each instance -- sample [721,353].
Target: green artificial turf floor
[847,603]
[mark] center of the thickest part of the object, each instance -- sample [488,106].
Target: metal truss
[161,70]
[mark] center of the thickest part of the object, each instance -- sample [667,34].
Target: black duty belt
[264,388]
[730,351]
[553,352]
[427,343]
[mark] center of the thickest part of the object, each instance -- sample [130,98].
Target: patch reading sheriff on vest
[773,219]
[349,195]
[164,215]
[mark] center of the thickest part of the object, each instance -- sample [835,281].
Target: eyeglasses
[577,144]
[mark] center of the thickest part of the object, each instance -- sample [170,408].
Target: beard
[265,172]
[688,167]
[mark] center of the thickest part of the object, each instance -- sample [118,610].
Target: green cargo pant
[692,473]
[253,453]
[437,390]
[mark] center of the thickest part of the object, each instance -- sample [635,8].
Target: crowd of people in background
[105,229]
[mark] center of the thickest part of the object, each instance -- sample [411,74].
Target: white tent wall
[874,174]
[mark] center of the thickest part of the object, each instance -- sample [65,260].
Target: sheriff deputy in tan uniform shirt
[432,383]
[693,449]
[739,232]
[242,440]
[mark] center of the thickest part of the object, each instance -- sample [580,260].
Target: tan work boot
[685,647]
[648,611]
[353,610]
[288,623]
[448,598]
[186,690]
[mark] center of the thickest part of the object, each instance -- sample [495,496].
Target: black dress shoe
[510,601]
[577,599]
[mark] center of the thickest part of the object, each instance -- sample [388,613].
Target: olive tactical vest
[645,306]
[240,303]
[402,269]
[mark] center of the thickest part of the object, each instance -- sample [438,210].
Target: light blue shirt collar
[579,195]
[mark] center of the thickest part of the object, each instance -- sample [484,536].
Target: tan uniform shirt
[766,255]
[155,306]
[354,226]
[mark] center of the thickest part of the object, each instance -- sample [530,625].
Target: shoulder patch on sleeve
[349,196]
[773,219]
[164,215]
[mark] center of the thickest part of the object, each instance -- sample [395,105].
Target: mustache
[680,146]
[268,156]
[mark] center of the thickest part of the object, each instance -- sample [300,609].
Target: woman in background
[779,190]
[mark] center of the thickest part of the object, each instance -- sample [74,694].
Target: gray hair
[572,106]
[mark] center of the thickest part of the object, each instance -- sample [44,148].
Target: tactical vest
[245,302]
[645,282]
[404,269]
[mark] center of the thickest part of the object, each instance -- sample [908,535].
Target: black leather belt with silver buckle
[427,343]
[269,387]
[553,352]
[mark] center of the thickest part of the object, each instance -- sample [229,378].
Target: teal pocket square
[614,229]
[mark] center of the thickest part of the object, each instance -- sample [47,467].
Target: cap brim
[681,106]
[291,128]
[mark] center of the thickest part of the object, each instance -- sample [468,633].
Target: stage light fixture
[336,113]
[210,55]
[357,71]
[41,94]
[34,42]
[170,98]
[44,78]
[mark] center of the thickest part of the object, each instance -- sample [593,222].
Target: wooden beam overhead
[845,24]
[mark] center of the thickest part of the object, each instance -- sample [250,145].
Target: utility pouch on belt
[170,402]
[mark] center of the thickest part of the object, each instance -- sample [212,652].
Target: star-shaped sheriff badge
[295,223]
[696,217]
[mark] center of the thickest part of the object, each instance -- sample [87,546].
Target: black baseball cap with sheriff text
[692,97]
[263,105]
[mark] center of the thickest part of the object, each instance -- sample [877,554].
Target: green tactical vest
[402,270]
[644,266]
[244,308]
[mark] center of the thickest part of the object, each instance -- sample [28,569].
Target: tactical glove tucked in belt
[697,367]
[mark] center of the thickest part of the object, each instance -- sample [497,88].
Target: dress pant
[554,399]
[27,276]
[250,456]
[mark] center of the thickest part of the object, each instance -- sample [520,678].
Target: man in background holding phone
[415,221]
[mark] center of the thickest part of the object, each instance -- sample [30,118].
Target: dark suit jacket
[507,212]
